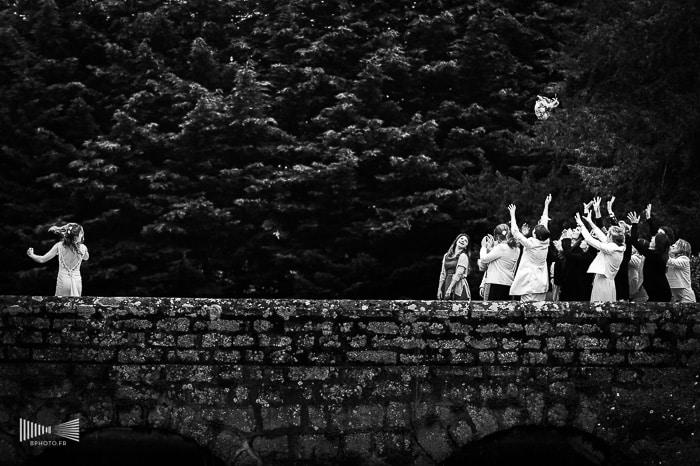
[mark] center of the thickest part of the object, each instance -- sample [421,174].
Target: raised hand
[30,252]
[610,205]
[511,209]
[548,199]
[633,217]
[578,219]
[647,212]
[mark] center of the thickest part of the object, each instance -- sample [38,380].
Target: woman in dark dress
[455,268]
[577,283]
[655,254]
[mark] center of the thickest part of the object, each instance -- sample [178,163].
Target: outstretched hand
[578,219]
[647,212]
[548,199]
[610,205]
[633,217]
[511,209]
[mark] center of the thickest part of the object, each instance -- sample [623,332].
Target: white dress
[69,282]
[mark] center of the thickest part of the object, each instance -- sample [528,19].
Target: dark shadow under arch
[125,446]
[543,446]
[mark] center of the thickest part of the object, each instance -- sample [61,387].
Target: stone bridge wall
[398,382]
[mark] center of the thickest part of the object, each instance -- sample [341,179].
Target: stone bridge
[353,382]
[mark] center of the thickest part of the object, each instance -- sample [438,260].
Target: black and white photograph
[337,232]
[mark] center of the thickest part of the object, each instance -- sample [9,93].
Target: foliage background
[329,148]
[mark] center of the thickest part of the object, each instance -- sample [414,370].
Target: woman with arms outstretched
[71,253]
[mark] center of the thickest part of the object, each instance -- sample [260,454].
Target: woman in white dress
[611,248]
[71,253]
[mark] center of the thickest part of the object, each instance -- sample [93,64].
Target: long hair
[451,252]
[502,234]
[684,248]
[662,244]
[70,232]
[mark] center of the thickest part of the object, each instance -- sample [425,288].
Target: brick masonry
[383,382]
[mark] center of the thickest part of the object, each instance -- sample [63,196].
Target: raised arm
[678,262]
[611,213]
[544,220]
[519,237]
[598,222]
[53,252]
[586,234]
[651,221]
[641,246]
[488,252]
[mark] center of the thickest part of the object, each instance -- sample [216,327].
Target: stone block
[315,447]
[600,358]
[271,445]
[132,355]
[483,343]
[632,342]
[378,357]
[216,340]
[225,326]
[507,357]
[366,417]
[383,328]
[397,415]
[587,342]
[161,339]
[280,417]
[228,356]
[359,443]
[181,324]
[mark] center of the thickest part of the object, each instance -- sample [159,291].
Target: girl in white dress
[71,253]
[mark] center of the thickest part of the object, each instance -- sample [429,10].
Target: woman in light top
[678,272]
[500,254]
[611,248]
[455,268]
[71,253]
[531,280]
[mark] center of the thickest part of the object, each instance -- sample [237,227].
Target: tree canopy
[330,148]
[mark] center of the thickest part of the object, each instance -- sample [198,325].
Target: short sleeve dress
[461,289]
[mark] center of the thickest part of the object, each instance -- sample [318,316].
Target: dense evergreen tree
[329,148]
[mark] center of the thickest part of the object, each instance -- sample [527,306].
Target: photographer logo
[29,431]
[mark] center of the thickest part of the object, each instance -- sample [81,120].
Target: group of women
[591,262]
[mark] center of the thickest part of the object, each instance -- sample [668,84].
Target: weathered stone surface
[370,380]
